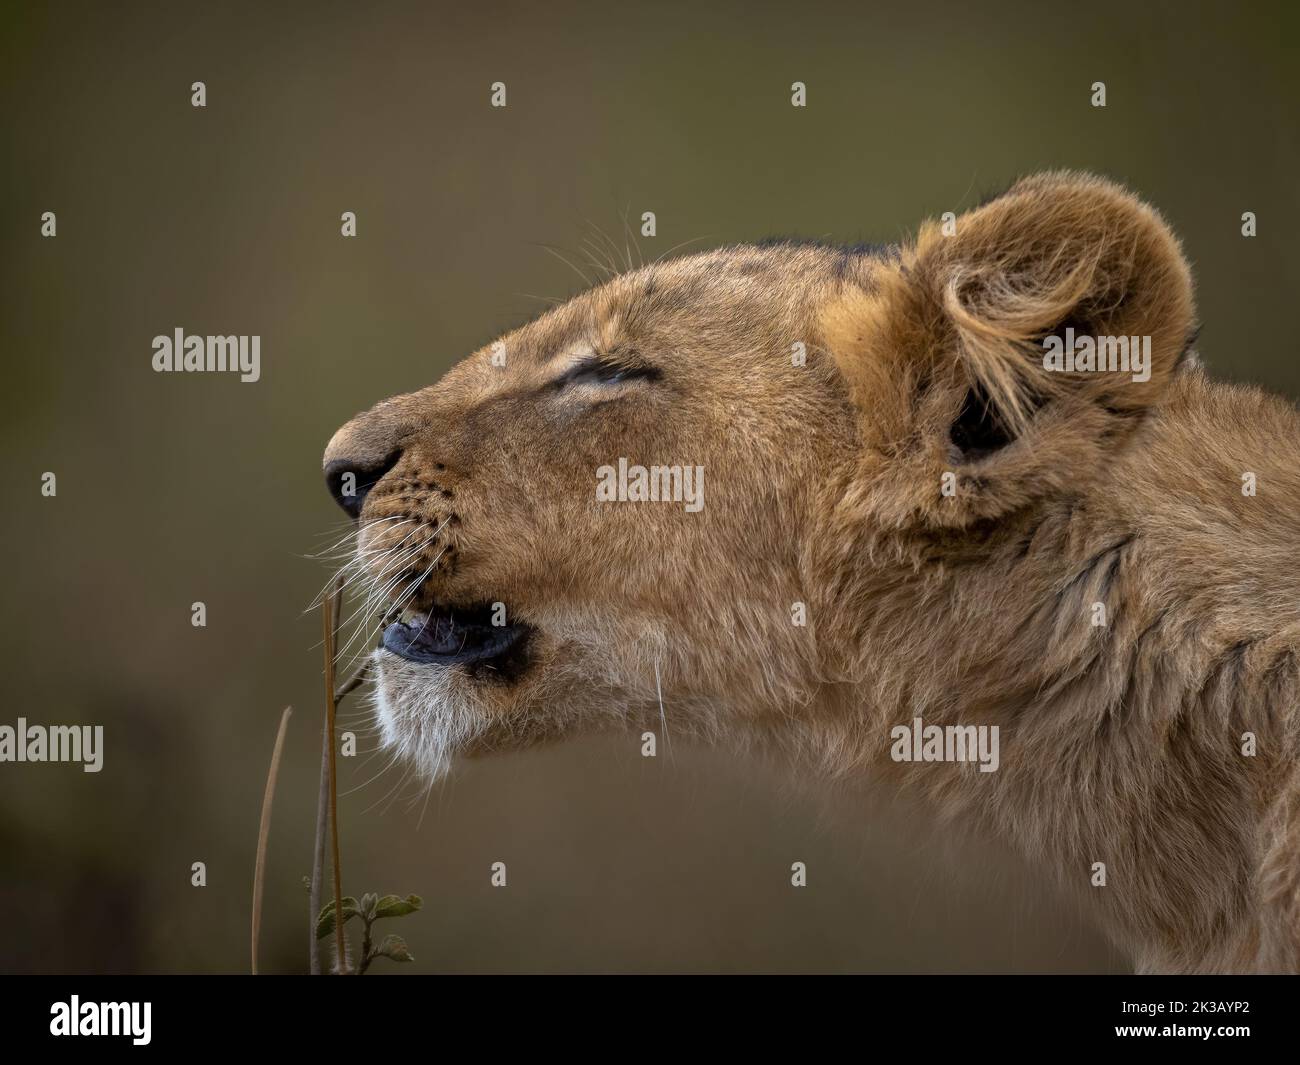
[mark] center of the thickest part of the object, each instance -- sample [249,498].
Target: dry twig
[330,615]
[264,832]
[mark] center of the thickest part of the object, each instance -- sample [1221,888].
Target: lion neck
[1137,646]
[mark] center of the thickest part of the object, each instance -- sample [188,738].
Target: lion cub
[976,524]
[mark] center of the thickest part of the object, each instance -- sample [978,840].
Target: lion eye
[598,371]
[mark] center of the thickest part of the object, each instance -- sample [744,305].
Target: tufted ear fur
[967,355]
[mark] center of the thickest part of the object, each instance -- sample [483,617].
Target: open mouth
[448,636]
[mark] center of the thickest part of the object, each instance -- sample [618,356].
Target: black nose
[350,481]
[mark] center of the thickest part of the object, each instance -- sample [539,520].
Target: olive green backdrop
[176,489]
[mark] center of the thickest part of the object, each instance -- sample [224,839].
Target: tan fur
[1121,743]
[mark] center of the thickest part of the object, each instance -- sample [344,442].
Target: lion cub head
[675,497]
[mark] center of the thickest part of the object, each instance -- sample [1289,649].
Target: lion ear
[969,352]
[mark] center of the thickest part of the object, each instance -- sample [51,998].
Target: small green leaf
[395,906]
[367,905]
[394,947]
[325,922]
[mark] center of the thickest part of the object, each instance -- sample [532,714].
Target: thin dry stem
[318,856]
[264,832]
[323,793]
[330,615]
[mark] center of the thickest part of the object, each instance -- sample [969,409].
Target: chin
[431,714]
[427,714]
[449,683]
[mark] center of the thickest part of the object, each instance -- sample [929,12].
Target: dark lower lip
[454,636]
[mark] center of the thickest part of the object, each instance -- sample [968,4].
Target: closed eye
[598,370]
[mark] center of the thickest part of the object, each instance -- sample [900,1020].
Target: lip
[448,636]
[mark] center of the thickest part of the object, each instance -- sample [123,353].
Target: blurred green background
[179,488]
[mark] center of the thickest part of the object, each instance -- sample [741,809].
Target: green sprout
[370,909]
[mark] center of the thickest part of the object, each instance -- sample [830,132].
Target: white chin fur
[426,714]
